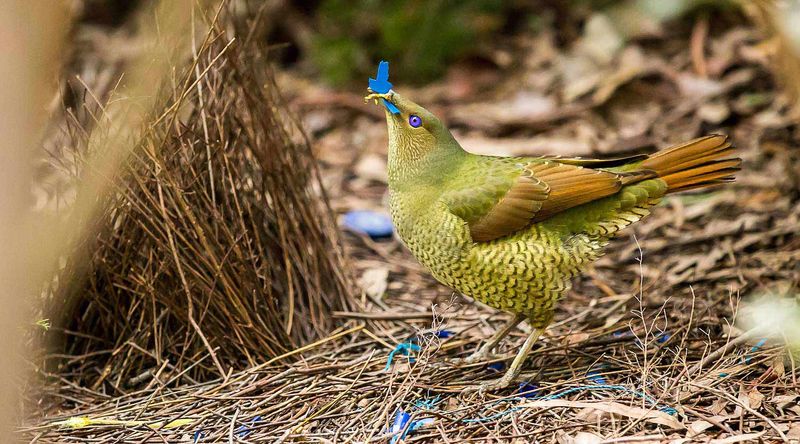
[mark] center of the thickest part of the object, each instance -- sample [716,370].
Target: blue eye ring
[415,121]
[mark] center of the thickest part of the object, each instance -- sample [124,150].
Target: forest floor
[648,346]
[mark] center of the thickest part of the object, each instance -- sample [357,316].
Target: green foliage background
[419,37]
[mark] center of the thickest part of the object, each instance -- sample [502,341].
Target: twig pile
[214,242]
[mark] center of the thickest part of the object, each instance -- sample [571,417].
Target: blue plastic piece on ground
[198,435]
[528,390]
[373,224]
[400,420]
[622,334]
[496,367]
[381,85]
[596,377]
[243,430]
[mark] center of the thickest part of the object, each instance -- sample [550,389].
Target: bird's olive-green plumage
[512,232]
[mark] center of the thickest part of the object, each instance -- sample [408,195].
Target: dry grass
[213,250]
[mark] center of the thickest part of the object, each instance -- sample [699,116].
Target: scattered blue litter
[496,367]
[754,349]
[401,418]
[427,404]
[668,410]
[381,85]
[444,334]
[648,398]
[596,377]
[198,435]
[373,224]
[622,334]
[405,348]
[243,430]
[528,390]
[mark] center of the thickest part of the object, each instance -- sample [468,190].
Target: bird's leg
[516,366]
[376,96]
[483,352]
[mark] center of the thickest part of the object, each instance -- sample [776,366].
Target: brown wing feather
[551,185]
[546,188]
[599,163]
[513,212]
[571,186]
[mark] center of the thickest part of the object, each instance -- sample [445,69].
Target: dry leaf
[697,428]
[576,338]
[783,401]
[778,367]
[718,406]
[794,432]
[755,398]
[585,438]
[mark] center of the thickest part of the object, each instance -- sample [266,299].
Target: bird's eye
[414,121]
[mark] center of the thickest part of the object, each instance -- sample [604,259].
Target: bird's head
[417,138]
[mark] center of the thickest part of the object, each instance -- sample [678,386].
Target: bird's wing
[599,163]
[504,196]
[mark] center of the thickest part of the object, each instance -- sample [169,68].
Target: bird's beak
[388,100]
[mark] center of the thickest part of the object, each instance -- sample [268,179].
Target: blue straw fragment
[528,390]
[754,349]
[243,430]
[496,367]
[597,378]
[405,348]
[401,418]
[198,435]
[427,404]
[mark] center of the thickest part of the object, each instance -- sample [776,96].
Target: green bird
[511,232]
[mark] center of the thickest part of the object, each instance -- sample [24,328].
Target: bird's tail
[699,163]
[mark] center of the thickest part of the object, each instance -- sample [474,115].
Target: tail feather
[699,163]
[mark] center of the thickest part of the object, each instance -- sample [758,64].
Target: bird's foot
[478,356]
[489,386]
[376,96]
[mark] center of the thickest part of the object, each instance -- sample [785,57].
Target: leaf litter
[685,271]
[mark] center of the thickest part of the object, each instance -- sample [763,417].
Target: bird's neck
[412,164]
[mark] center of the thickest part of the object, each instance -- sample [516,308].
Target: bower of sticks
[219,296]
